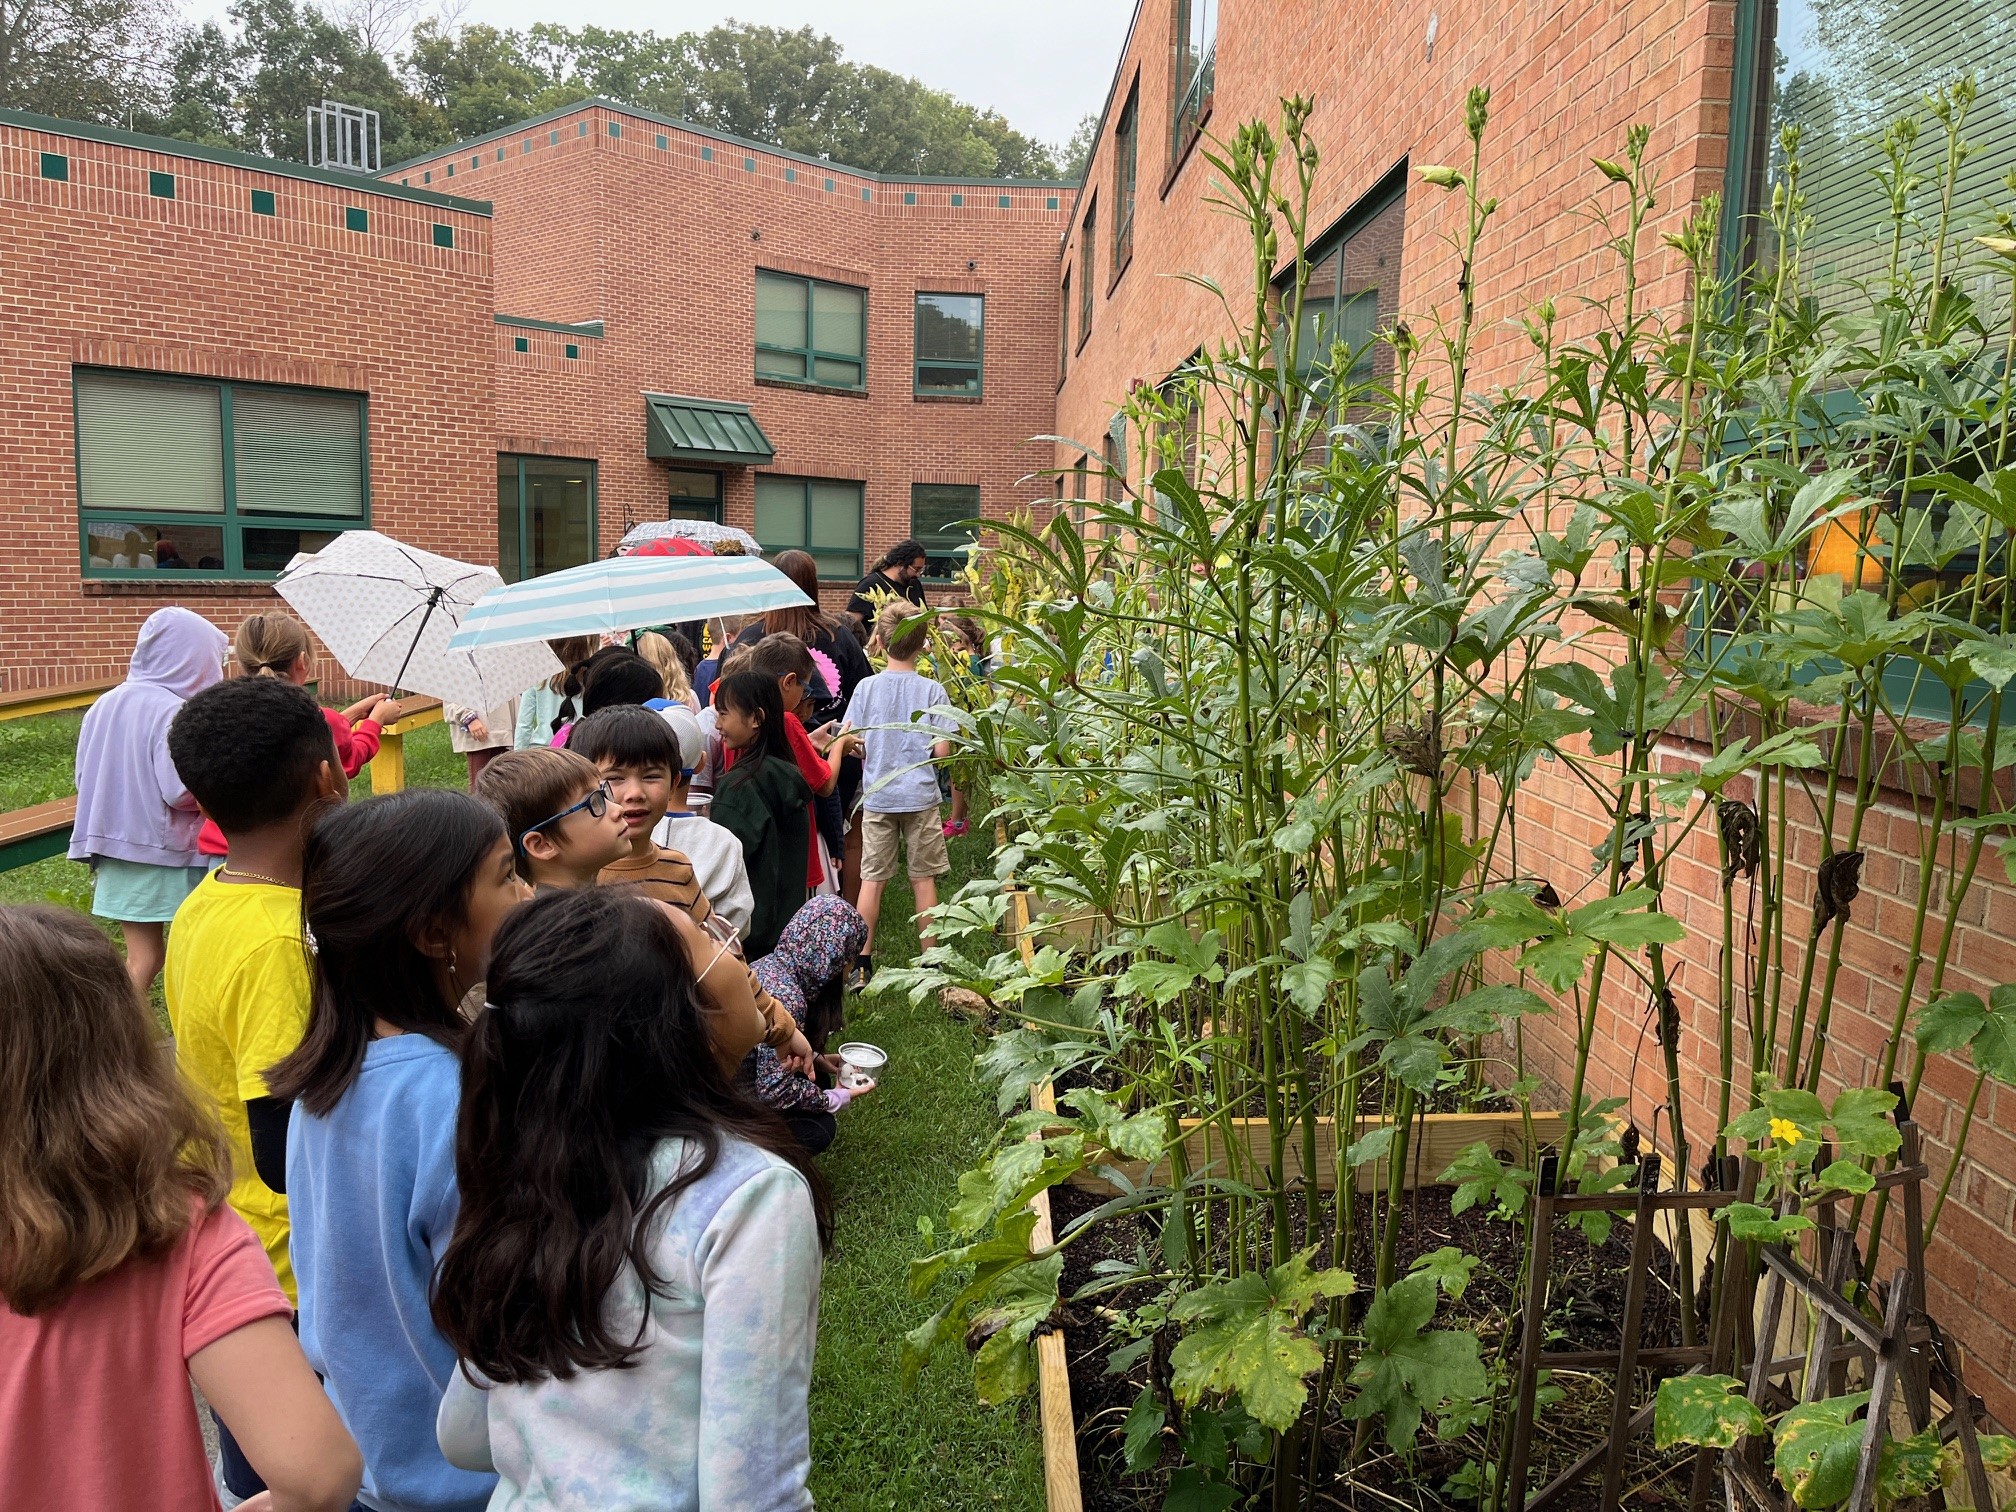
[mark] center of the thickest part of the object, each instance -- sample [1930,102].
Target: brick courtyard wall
[1566,82]
[662,243]
[99,272]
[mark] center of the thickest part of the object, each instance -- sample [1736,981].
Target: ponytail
[268,645]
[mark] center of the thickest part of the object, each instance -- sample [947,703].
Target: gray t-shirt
[896,772]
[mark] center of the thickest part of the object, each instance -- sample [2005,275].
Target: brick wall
[662,244]
[1566,82]
[98,271]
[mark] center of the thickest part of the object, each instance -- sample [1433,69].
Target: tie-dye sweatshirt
[713,1414]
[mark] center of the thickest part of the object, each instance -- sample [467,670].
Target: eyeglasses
[597,804]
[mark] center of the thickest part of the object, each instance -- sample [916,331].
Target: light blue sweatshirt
[372,1198]
[712,1417]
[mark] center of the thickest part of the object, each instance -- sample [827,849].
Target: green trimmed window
[545,515]
[444,236]
[1064,327]
[263,202]
[223,479]
[56,166]
[936,513]
[1087,240]
[1354,285]
[949,339]
[161,185]
[811,331]
[817,515]
[356,218]
[1196,38]
[693,494]
[1126,160]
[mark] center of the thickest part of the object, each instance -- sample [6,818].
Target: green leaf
[1862,1122]
[1708,1410]
[1627,921]
[1909,1467]
[1373,1146]
[1558,963]
[1846,1176]
[1003,1369]
[1817,1450]
[1404,1371]
[1308,983]
[1450,1269]
[1994,1048]
[1747,1220]
[1479,1177]
[1143,1437]
[1248,1341]
[1191,1490]
[1950,1022]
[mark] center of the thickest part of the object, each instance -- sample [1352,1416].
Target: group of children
[506,1103]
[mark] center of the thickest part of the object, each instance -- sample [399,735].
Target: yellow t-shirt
[237,986]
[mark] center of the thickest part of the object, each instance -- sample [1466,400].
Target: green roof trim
[679,429]
[89,131]
[600,102]
[578,328]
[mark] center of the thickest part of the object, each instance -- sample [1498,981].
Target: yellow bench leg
[388,767]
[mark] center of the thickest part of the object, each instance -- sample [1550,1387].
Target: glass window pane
[692,495]
[147,446]
[298,453]
[268,549]
[1369,287]
[836,515]
[780,311]
[559,514]
[829,370]
[780,365]
[842,566]
[509,565]
[934,379]
[125,546]
[948,327]
[935,512]
[839,323]
[780,514]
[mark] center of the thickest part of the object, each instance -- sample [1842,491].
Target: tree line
[248,85]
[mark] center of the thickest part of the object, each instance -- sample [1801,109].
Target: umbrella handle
[433,598]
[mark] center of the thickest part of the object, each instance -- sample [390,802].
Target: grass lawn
[898,1156]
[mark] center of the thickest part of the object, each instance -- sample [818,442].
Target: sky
[1043,64]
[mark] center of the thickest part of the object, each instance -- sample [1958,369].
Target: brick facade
[1566,82]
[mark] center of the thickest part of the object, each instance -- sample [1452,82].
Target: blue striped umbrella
[624,593]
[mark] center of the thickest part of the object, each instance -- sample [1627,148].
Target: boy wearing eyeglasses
[567,830]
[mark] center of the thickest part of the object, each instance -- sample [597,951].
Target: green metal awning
[703,430]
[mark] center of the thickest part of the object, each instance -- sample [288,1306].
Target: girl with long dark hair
[633,1281]
[400,897]
[762,801]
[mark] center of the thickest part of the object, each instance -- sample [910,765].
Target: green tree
[92,60]
[1075,156]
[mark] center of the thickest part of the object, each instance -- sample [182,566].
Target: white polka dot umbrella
[386,612]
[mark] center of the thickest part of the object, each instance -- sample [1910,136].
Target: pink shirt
[95,1405]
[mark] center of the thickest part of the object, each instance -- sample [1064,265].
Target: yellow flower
[1786,1130]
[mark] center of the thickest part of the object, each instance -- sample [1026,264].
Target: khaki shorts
[923,837]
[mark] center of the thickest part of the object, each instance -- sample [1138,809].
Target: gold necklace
[251,876]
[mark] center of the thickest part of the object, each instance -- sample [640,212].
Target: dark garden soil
[1586,1309]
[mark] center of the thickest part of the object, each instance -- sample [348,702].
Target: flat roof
[602,102]
[364,183]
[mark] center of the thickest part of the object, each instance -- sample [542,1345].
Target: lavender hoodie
[131,804]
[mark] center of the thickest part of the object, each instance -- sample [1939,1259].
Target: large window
[693,494]
[949,328]
[545,515]
[1064,328]
[1126,156]
[1195,42]
[1087,261]
[936,510]
[1354,286]
[1843,72]
[819,515]
[225,479]
[810,331]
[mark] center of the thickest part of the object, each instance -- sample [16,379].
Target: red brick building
[220,360]
[1712,79]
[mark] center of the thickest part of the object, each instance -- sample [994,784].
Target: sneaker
[864,967]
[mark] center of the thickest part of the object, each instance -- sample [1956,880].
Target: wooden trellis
[1904,1355]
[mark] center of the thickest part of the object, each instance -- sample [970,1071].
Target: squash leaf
[1708,1410]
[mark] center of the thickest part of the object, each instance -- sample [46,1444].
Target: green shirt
[765,807]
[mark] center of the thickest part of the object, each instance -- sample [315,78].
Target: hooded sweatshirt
[763,801]
[131,804]
[815,950]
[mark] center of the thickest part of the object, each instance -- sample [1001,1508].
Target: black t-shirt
[880,582]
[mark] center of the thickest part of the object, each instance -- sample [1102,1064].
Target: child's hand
[796,1054]
[477,729]
[384,712]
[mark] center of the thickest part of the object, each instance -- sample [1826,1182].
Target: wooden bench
[36,833]
[388,767]
[29,702]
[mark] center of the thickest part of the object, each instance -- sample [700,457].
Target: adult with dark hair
[634,1293]
[764,801]
[401,896]
[818,630]
[899,573]
[123,1275]
[257,755]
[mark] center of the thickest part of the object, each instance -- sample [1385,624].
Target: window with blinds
[176,474]
[821,516]
[1842,71]
[810,331]
[948,335]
